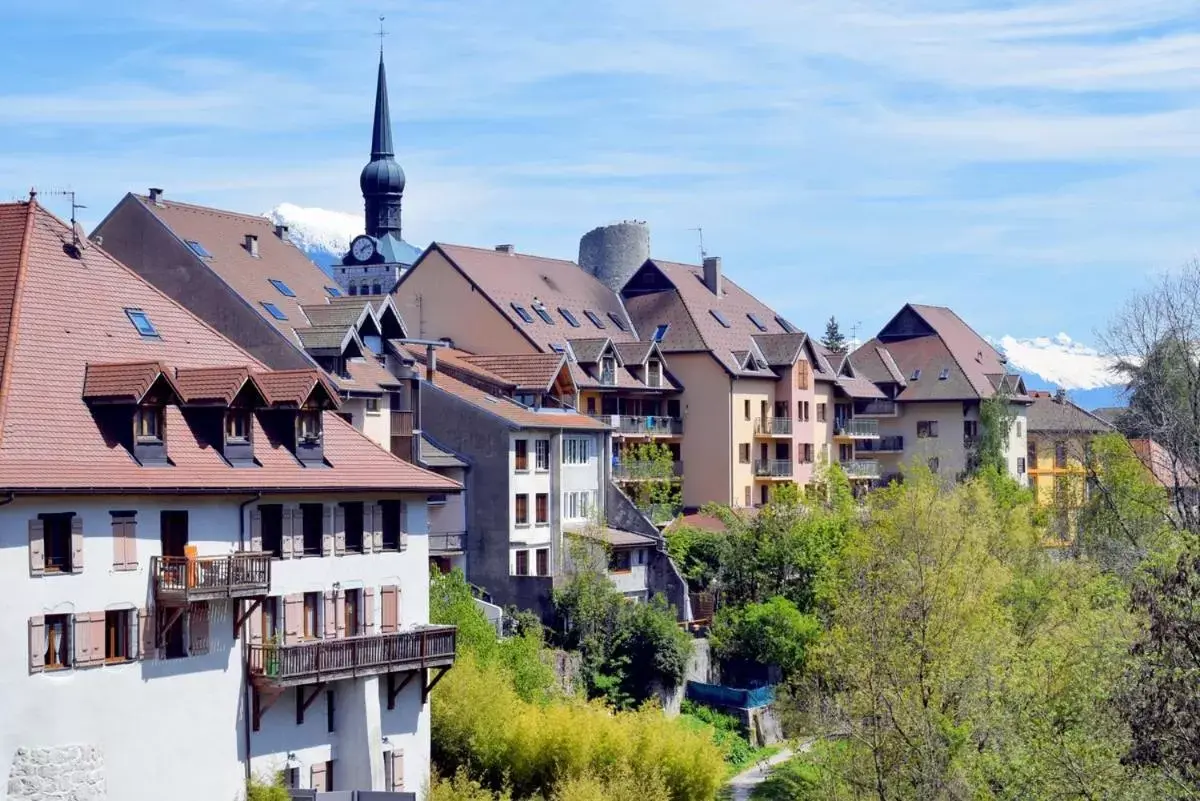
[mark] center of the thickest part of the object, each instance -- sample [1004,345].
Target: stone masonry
[57,773]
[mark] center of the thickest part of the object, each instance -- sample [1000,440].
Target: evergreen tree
[834,340]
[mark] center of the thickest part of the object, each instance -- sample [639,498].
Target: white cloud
[1060,360]
[317,229]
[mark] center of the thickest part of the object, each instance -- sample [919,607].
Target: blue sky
[1027,163]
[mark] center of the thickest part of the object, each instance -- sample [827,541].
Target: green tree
[833,339]
[771,633]
[698,553]
[656,488]
[996,418]
[272,788]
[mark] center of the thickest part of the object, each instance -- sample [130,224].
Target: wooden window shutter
[397,758]
[339,614]
[374,514]
[131,556]
[37,547]
[369,610]
[37,643]
[198,628]
[256,625]
[330,616]
[286,537]
[76,544]
[387,603]
[318,776]
[96,639]
[256,530]
[135,628]
[124,532]
[327,547]
[403,526]
[339,529]
[81,637]
[149,645]
[293,612]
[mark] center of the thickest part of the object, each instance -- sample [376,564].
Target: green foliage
[654,465]
[463,788]
[698,553]
[834,340]
[273,788]
[726,734]
[774,632]
[797,779]
[996,418]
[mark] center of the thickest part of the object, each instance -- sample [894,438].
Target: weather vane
[382,33]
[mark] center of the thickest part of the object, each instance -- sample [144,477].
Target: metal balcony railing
[643,426]
[878,408]
[888,444]
[773,468]
[857,428]
[773,426]
[443,542]
[364,655]
[183,579]
[861,468]
[646,471]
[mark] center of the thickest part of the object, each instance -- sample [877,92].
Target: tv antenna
[700,232]
[76,245]
[854,331]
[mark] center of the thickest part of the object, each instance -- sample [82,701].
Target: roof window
[521,312]
[757,323]
[661,332]
[274,310]
[942,376]
[141,321]
[720,318]
[333,291]
[916,375]
[617,321]
[570,318]
[595,318]
[283,288]
[786,326]
[545,315]
[198,249]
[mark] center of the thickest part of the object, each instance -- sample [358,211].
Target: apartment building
[935,371]
[207,565]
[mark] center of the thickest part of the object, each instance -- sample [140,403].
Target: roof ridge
[266,221]
[14,314]
[501,253]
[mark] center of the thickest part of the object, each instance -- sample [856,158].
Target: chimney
[712,274]
[252,244]
[1060,396]
[430,362]
[504,249]
[281,231]
[156,196]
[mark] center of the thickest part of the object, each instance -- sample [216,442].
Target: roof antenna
[854,331]
[700,232]
[76,246]
[382,33]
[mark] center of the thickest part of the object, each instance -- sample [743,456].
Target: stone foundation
[57,773]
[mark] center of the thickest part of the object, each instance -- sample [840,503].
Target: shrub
[267,788]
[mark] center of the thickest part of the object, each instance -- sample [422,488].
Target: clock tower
[378,258]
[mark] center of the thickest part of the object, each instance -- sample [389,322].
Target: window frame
[618,322]
[65,624]
[273,310]
[719,317]
[198,249]
[660,332]
[571,319]
[521,562]
[594,318]
[333,291]
[927,429]
[282,287]
[541,511]
[542,561]
[521,312]
[521,455]
[241,416]
[521,509]
[756,322]
[541,455]
[118,631]
[141,322]
[57,532]
[311,615]
[309,426]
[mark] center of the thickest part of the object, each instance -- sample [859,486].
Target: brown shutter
[81,634]
[318,776]
[118,543]
[76,544]
[134,632]
[256,624]
[339,529]
[374,513]
[293,612]
[368,624]
[198,628]
[146,627]
[339,612]
[330,616]
[389,601]
[327,531]
[286,537]
[37,547]
[255,529]
[99,649]
[403,525]
[37,643]
[397,758]
[131,555]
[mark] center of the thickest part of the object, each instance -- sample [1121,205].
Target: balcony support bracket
[428,688]
[394,689]
[244,615]
[305,703]
[175,613]
[264,698]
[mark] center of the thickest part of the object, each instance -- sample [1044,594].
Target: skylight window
[785,325]
[521,312]
[591,315]
[617,321]
[141,321]
[916,375]
[720,318]
[942,376]
[283,288]
[557,348]
[661,332]
[333,291]
[757,323]
[570,318]
[274,310]
[545,315]
[198,249]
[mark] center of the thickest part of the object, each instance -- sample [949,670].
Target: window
[312,521]
[372,405]
[757,323]
[927,429]
[591,405]
[542,508]
[744,453]
[970,431]
[617,321]
[543,561]
[720,318]
[237,425]
[141,322]
[353,289]
[608,370]
[273,310]
[845,453]
[1031,453]
[521,457]
[1020,465]
[58,642]
[619,562]
[802,410]
[272,623]
[916,374]
[570,318]
[577,450]
[376,289]
[595,318]
[541,454]
[308,426]
[803,374]
[748,500]
[821,412]
[352,519]
[333,291]
[521,312]
[353,603]
[1020,429]
[291,778]
[148,423]
[198,249]
[311,623]
[272,528]
[545,315]
[661,332]
[171,634]
[1060,454]
[394,521]
[746,409]
[944,374]
[654,373]
[118,645]
[283,288]
[329,710]
[577,505]
[522,563]
[56,533]
[522,510]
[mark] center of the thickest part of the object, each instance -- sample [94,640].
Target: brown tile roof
[336,315]
[525,370]
[589,351]
[126,382]
[51,442]
[211,384]
[632,353]
[512,412]
[508,278]
[364,376]
[780,350]
[454,363]
[1050,414]
[293,387]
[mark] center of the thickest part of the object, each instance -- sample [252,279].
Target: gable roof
[532,371]
[1051,414]
[49,439]
[127,382]
[214,384]
[509,411]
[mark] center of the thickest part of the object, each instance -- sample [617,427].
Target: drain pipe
[246,653]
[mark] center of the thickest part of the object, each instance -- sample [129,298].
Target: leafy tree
[996,418]
[833,339]
[272,788]
[771,633]
[656,492]
[698,553]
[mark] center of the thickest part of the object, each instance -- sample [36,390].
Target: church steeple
[382,180]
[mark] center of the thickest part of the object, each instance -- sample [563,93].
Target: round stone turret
[613,253]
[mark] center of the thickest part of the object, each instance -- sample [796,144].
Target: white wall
[529,482]
[1018,444]
[376,425]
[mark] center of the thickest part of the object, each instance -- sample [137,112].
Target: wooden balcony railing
[182,579]
[773,426]
[773,468]
[364,655]
[443,542]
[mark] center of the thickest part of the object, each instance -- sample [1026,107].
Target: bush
[272,788]
[770,633]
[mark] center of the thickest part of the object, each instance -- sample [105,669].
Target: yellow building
[1059,444]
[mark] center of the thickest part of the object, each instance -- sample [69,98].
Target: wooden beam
[394,690]
[429,687]
[261,701]
[302,703]
[176,613]
[242,616]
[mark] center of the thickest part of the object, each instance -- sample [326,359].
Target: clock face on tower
[362,248]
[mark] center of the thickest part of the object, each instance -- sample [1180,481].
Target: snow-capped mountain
[324,235]
[1060,362]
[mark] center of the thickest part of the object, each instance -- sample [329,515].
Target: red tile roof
[293,387]
[123,381]
[51,442]
[533,371]
[210,384]
[511,411]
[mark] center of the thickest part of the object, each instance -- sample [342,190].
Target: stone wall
[57,773]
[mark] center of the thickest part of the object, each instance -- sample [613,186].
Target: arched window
[376,289]
[353,289]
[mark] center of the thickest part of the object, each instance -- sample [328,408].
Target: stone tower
[613,253]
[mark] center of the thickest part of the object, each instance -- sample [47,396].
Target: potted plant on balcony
[271,655]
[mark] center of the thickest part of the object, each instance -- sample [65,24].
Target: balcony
[447,542]
[649,426]
[773,426]
[856,429]
[773,468]
[646,471]
[348,657]
[862,469]
[878,408]
[179,580]
[888,444]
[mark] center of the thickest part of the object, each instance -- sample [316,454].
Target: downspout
[732,444]
[246,661]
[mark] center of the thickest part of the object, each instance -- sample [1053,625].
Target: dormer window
[237,426]
[308,427]
[654,373]
[608,370]
[148,424]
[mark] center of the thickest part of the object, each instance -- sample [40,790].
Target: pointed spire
[381,136]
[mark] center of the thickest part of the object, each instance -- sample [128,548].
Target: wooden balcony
[179,580]
[318,661]
[773,426]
